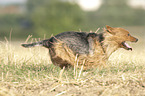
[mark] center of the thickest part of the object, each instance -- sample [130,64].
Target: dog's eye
[128,34]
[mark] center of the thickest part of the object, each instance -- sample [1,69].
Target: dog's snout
[134,39]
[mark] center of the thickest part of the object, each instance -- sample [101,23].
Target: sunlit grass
[29,72]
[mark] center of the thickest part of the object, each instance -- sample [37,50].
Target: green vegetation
[117,13]
[47,17]
[54,16]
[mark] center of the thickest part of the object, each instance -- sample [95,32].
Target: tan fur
[61,55]
[114,38]
[64,54]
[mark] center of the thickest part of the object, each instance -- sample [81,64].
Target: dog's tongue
[128,47]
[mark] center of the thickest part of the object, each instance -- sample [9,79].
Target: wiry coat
[82,48]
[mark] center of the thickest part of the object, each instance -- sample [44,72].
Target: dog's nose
[136,39]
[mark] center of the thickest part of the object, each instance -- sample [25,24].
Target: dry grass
[29,72]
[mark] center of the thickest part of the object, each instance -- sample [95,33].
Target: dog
[85,49]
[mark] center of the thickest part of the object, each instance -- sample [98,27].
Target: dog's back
[76,41]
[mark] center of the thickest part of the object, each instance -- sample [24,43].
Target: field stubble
[29,72]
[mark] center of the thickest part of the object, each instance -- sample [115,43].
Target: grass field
[29,72]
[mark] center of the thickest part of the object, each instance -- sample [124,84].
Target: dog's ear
[109,29]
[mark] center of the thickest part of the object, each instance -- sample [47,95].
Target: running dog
[85,49]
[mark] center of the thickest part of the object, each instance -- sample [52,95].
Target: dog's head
[120,36]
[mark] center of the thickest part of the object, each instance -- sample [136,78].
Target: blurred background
[20,18]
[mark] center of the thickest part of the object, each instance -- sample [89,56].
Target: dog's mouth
[126,46]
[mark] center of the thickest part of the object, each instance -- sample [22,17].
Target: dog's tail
[33,44]
[44,43]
